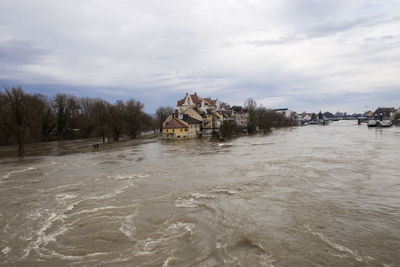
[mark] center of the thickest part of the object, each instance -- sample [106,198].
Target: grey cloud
[280,41]
[321,29]
[332,27]
[16,52]
[158,50]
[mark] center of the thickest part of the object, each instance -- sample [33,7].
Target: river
[302,196]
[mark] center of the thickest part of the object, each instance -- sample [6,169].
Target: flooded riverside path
[305,196]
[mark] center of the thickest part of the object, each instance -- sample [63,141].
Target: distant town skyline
[304,55]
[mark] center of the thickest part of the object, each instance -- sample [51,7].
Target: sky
[306,55]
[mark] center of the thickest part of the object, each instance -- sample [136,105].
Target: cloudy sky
[303,54]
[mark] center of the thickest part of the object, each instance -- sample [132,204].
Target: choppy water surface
[304,196]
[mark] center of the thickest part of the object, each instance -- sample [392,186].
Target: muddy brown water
[305,196]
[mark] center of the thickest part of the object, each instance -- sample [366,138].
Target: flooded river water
[305,196]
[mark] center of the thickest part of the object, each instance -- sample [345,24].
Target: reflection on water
[304,196]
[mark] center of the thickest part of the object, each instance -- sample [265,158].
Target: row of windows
[177,130]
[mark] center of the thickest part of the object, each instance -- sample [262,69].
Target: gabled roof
[239,109]
[210,102]
[180,102]
[200,112]
[196,99]
[176,123]
[191,120]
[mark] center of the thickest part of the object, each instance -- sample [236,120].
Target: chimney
[195,93]
[176,113]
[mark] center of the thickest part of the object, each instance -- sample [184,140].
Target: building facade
[174,128]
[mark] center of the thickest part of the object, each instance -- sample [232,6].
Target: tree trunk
[21,148]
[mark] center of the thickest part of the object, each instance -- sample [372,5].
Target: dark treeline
[26,118]
[260,120]
[263,120]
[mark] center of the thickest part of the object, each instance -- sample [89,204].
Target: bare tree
[133,117]
[101,117]
[251,106]
[117,121]
[5,133]
[86,121]
[60,109]
[162,114]
[21,110]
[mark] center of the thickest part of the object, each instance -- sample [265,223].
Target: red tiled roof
[196,99]
[180,102]
[175,123]
[210,102]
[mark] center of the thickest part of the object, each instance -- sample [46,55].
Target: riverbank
[59,148]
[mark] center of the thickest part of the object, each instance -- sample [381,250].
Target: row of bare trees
[260,120]
[26,117]
[264,119]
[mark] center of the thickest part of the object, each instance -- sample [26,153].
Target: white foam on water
[192,201]
[103,208]
[55,254]
[58,187]
[188,227]
[330,242]
[5,228]
[6,250]
[148,246]
[40,238]
[34,214]
[128,227]
[226,191]
[124,188]
[72,206]
[127,176]
[186,203]
[121,177]
[63,197]
[199,195]
[170,260]
[174,231]
[7,176]
[267,260]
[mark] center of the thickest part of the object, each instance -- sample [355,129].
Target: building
[195,126]
[195,113]
[174,128]
[205,110]
[189,101]
[396,114]
[195,101]
[285,111]
[241,116]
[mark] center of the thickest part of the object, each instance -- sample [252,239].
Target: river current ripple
[304,196]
